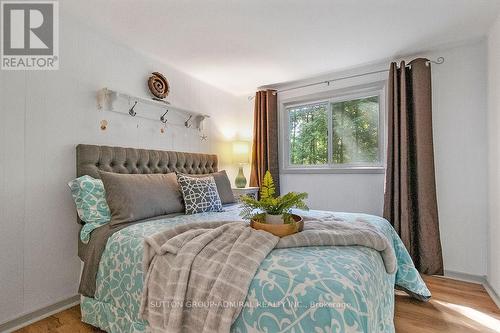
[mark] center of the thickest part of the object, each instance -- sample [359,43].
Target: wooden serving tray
[280,230]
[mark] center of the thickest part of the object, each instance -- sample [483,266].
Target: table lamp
[241,151]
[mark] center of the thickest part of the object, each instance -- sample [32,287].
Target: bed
[311,289]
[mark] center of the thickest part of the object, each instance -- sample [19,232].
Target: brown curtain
[410,189]
[265,138]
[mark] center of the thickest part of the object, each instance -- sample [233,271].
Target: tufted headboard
[90,159]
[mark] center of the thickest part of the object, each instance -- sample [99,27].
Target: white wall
[460,133]
[339,192]
[234,125]
[460,136]
[44,114]
[494,156]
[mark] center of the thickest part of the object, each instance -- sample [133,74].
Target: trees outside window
[335,133]
[309,134]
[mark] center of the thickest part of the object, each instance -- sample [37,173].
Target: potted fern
[270,208]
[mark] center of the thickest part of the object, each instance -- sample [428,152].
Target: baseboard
[492,293]
[475,279]
[40,314]
[480,279]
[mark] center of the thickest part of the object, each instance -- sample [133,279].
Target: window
[339,133]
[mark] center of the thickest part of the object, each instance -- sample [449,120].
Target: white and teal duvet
[312,289]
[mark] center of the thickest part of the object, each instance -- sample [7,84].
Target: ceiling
[239,45]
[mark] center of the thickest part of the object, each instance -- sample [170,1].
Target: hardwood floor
[455,307]
[67,321]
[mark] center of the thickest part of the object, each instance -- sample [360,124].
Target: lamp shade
[241,151]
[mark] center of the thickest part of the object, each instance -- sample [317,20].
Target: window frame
[329,97]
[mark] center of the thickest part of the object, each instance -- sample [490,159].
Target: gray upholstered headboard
[90,159]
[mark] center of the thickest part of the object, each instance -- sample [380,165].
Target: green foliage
[268,189]
[309,135]
[355,132]
[269,204]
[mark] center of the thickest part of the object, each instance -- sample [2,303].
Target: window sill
[353,170]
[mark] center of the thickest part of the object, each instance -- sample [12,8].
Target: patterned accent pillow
[200,194]
[90,200]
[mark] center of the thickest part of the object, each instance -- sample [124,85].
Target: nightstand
[248,191]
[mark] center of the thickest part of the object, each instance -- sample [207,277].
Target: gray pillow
[134,197]
[223,185]
[200,194]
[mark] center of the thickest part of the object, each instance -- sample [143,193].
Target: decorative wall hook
[131,110]
[187,123]
[163,118]
[103,124]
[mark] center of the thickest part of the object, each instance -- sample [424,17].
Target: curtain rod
[438,61]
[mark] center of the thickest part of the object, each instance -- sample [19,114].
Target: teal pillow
[90,200]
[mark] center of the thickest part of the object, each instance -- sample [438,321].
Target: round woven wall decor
[158,85]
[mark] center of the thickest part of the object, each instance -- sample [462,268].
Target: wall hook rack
[131,111]
[163,118]
[147,108]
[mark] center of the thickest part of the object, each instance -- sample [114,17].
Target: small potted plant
[272,209]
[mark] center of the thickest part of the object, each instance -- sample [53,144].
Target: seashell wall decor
[158,85]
